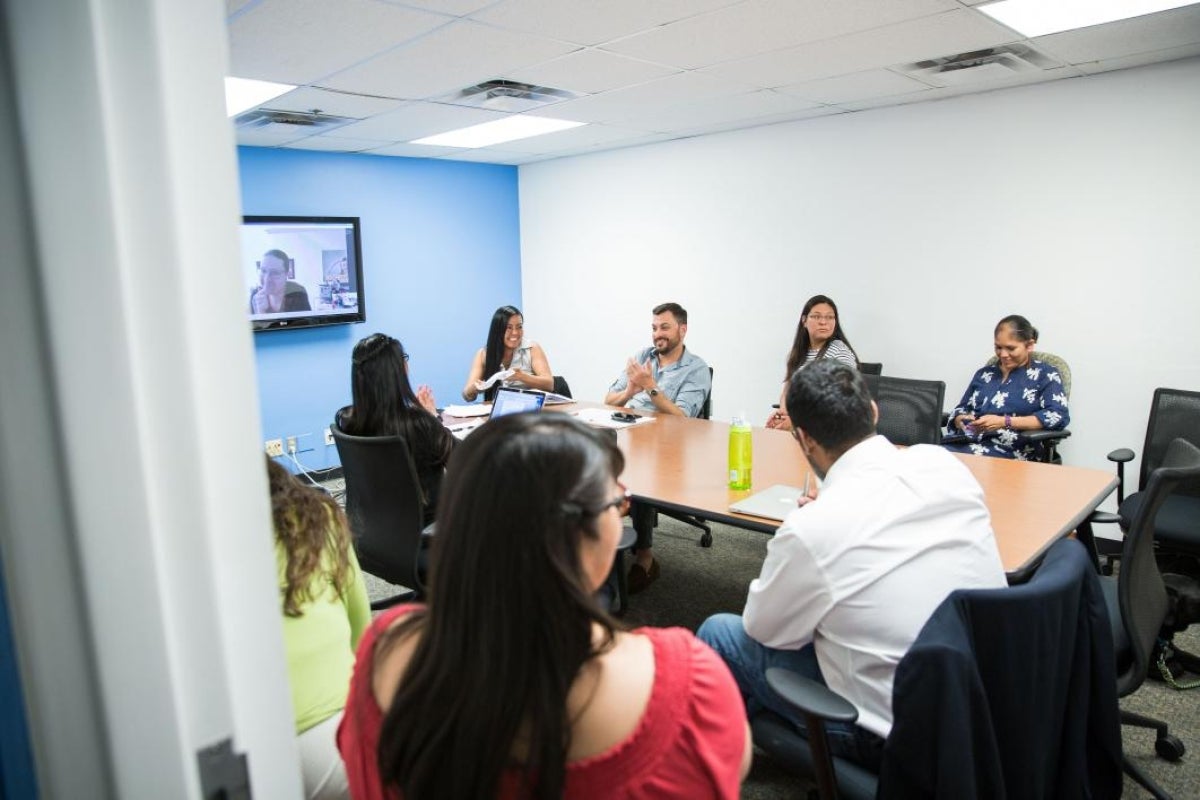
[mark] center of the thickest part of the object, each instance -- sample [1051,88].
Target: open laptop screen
[514,401]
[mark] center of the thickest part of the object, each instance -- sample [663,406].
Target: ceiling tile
[858,86]
[456,56]
[622,104]
[302,41]
[339,104]
[457,8]
[336,144]
[490,155]
[589,22]
[747,107]
[762,26]
[758,122]
[409,150]
[591,71]
[1166,29]
[1140,59]
[941,93]
[417,120]
[267,139]
[945,34]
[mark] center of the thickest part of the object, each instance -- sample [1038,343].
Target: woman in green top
[325,611]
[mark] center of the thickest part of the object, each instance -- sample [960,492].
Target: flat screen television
[301,272]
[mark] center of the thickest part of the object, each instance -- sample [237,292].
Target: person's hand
[810,492]
[640,375]
[425,398]
[259,301]
[779,420]
[964,422]
[988,423]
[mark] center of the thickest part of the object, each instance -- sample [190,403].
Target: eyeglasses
[404,356]
[620,503]
[823,317]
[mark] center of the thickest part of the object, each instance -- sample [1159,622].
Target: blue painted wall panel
[441,250]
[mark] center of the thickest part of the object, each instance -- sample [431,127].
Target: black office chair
[1049,439]
[561,387]
[1174,413]
[1137,599]
[706,538]
[910,411]
[385,509]
[1006,693]
[870,367]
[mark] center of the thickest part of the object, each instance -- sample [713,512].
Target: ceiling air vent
[502,95]
[266,120]
[993,64]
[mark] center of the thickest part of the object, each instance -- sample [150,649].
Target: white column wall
[1075,203]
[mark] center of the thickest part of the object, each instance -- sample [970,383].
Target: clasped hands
[640,376]
[976,425]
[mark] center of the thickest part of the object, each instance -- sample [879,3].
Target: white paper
[473,410]
[502,375]
[602,418]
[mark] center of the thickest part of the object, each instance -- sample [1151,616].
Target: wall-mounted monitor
[300,272]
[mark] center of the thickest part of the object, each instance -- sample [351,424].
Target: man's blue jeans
[748,660]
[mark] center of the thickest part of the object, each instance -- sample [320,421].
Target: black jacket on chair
[997,698]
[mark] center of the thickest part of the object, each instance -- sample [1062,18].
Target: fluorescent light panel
[1040,17]
[508,129]
[242,94]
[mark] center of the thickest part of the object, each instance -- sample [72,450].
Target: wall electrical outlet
[328,436]
[291,445]
[274,447]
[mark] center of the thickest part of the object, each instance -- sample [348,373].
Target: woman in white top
[818,335]
[507,349]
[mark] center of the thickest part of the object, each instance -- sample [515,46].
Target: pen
[807,483]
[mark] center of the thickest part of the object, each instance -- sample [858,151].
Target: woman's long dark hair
[383,399]
[510,616]
[802,343]
[493,352]
[308,523]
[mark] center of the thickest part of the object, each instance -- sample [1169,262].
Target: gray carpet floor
[697,582]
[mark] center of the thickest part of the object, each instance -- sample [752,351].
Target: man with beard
[666,378]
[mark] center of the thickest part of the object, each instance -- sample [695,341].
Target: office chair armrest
[809,697]
[1121,456]
[1104,517]
[1047,436]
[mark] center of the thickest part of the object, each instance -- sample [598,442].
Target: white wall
[1075,203]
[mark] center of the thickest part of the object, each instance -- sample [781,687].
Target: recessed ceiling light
[1040,17]
[243,93]
[508,129]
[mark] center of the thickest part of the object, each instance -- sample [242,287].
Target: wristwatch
[653,392]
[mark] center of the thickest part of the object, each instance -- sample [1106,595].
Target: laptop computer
[773,503]
[515,401]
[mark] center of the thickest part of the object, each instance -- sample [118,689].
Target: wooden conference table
[679,464]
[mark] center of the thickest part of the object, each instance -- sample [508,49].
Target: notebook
[773,503]
[516,401]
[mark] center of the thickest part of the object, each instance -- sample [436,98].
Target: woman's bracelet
[1008,420]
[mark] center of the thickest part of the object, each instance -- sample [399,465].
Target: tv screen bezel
[314,319]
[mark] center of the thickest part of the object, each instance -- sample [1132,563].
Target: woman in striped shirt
[818,335]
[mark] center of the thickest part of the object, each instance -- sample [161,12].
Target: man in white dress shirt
[851,577]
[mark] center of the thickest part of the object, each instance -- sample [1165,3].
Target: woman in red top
[512,682]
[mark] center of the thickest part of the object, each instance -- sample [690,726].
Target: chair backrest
[561,387]
[1140,590]
[706,409]
[910,411]
[1174,414]
[1009,692]
[870,367]
[1059,364]
[383,504]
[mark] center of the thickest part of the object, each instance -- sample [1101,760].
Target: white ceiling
[644,70]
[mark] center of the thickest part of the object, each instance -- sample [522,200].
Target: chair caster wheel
[706,539]
[1169,748]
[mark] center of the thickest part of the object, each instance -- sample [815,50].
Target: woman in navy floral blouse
[1005,400]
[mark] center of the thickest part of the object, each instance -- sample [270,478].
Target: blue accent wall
[440,250]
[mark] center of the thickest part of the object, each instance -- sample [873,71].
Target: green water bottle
[741,453]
